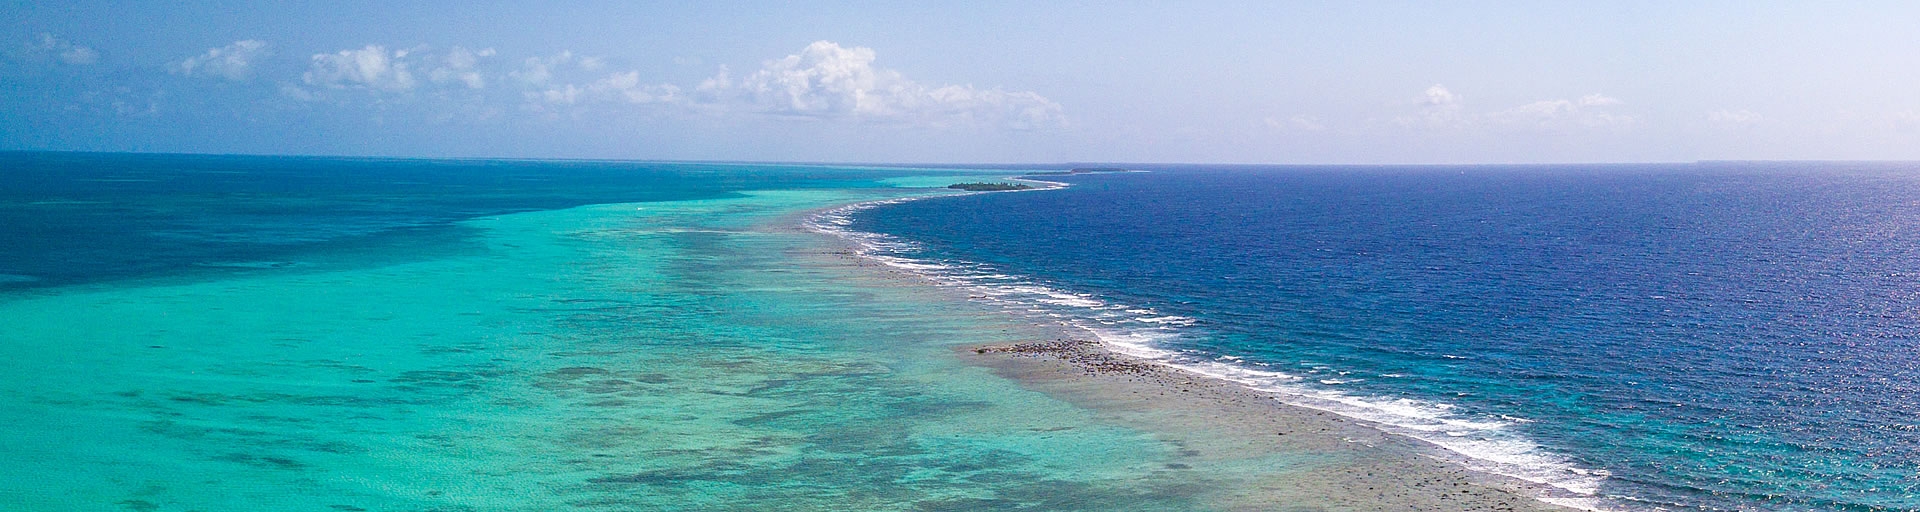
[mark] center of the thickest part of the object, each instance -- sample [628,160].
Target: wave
[1481,442]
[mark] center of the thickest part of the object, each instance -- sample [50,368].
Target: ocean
[340,334]
[233,333]
[1712,336]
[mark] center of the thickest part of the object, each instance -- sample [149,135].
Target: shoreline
[1366,468]
[1213,421]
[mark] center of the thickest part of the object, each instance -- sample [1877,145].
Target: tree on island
[989,187]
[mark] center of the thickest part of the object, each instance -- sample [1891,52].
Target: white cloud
[1439,96]
[592,63]
[65,51]
[1441,108]
[826,80]
[614,88]
[1735,117]
[232,62]
[564,95]
[716,86]
[963,104]
[541,71]
[549,83]
[297,93]
[461,65]
[1590,111]
[627,87]
[372,67]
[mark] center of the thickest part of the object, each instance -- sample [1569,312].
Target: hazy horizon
[976,83]
[1015,165]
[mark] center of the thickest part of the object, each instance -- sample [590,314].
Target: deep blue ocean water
[1715,335]
[69,218]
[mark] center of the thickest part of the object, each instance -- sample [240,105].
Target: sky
[970,82]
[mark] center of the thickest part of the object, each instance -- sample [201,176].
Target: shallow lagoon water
[695,354]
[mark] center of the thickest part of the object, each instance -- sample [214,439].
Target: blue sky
[1262,82]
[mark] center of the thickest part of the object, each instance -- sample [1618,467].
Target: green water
[689,355]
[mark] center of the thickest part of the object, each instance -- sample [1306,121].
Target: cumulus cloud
[1439,96]
[826,80]
[460,65]
[372,67]
[232,62]
[63,50]
[1438,106]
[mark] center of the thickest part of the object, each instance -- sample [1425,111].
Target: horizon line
[925,165]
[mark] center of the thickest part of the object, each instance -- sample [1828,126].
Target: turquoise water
[676,354]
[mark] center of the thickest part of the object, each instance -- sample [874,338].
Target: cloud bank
[823,81]
[232,62]
[826,80]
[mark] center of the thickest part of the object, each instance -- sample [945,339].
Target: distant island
[1081,170]
[989,187]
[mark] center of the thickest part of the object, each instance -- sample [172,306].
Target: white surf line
[1474,442]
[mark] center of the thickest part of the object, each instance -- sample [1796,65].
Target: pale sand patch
[1219,423]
